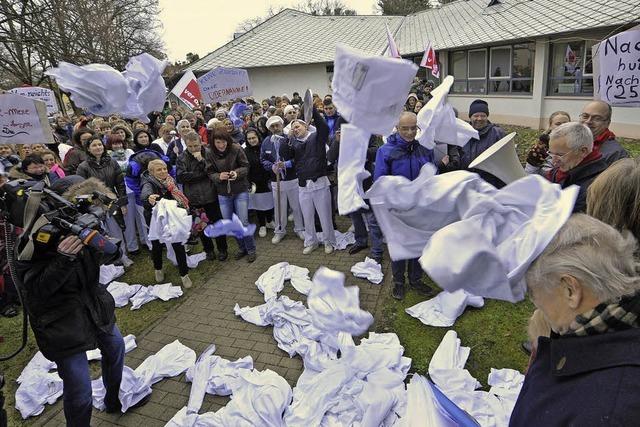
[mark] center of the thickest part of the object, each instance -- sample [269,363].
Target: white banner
[222,84]
[23,121]
[616,69]
[45,95]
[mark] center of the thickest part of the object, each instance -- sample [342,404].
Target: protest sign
[222,84]
[23,121]
[187,90]
[45,95]
[616,69]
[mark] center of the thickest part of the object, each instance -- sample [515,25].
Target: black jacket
[370,162]
[310,155]
[582,176]
[582,381]
[66,304]
[106,170]
[257,174]
[72,160]
[150,186]
[192,174]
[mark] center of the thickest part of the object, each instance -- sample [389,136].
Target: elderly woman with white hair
[586,373]
[575,160]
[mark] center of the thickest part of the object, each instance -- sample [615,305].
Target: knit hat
[221,111]
[288,108]
[478,106]
[274,119]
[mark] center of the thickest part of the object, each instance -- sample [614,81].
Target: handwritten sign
[222,84]
[23,121]
[617,69]
[43,94]
[187,90]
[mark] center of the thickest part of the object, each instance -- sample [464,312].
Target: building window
[500,69]
[571,72]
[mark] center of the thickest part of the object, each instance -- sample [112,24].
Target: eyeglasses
[596,119]
[558,156]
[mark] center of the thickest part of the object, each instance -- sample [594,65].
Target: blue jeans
[360,231]
[238,204]
[74,371]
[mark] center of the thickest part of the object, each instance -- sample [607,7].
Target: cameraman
[70,313]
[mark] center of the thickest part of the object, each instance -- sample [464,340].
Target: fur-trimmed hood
[17,173]
[88,186]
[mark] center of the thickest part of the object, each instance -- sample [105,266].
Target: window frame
[510,47]
[553,80]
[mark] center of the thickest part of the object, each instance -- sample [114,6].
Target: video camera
[47,217]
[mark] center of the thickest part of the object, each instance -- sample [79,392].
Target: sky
[202,26]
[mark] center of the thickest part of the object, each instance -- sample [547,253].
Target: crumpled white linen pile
[272,281]
[39,386]
[169,222]
[443,309]
[192,260]
[170,361]
[102,90]
[364,387]
[492,408]
[494,234]
[342,239]
[257,398]
[109,273]
[139,295]
[368,269]
[422,407]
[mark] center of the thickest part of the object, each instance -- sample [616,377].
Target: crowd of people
[271,165]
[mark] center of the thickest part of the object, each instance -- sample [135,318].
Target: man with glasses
[596,115]
[402,155]
[575,160]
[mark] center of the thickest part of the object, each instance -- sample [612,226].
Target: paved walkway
[205,315]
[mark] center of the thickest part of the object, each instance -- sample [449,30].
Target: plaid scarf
[604,318]
[177,195]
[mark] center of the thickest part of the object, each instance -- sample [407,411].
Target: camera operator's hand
[70,246]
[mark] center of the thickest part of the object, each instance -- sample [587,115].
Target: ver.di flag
[187,90]
[430,61]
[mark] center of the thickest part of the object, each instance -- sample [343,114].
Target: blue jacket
[268,157]
[138,163]
[582,381]
[398,157]
[488,136]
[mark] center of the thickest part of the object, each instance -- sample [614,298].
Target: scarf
[604,318]
[558,176]
[173,189]
[603,137]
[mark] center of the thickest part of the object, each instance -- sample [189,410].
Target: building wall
[534,110]
[287,79]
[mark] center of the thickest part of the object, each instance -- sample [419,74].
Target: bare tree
[39,34]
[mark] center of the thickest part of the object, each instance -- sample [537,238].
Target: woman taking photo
[227,165]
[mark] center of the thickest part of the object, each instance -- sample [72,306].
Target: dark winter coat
[238,136]
[150,185]
[138,163]
[400,158]
[72,160]
[257,174]
[232,158]
[17,173]
[173,157]
[310,155]
[192,174]
[582,176]
[488,136]
[612,151]
[67,306]
[268,157]
[582,381]
[106,170]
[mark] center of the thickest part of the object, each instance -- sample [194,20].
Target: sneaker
[240,255]
[271,225]
[222,255]
[398,291]
[309,249]
[300,235]
[186,281]
[277,238]
[126,262]
[262,232]
[251,257]
[159,276]
[290,217]
[351,229]
[118,409]
[423,288]
[328,249]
